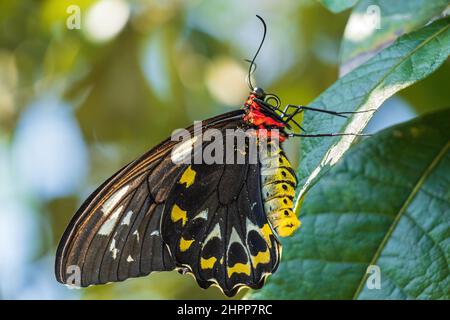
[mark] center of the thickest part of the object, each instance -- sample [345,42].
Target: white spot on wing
[234,237]
[136,233]
[130,259]
[114,199]
[113,249]
[251,226]
[155,233]
[215,233]
[202,215]
[109,224]
[127,219]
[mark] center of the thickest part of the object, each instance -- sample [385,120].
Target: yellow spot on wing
[178,214]
[239,268]
[266,231]
[185,244]
[188,177]
[262,257]
[207,263]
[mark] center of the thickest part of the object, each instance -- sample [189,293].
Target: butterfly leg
[291,116]
[334,113]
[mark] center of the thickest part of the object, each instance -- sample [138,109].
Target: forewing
[116,233]
[118,236]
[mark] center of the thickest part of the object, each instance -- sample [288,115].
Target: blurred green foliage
[169,63]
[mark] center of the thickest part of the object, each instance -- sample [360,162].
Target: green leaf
[375,24]
[409,59]
[386,204]
[337,6]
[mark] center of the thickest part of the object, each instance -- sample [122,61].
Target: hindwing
[215,226]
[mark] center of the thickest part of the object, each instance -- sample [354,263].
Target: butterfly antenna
[252,71]
[252,63]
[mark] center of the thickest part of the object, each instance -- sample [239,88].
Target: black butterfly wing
[116,233]
[215,226]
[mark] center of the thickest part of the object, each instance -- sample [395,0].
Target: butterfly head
[259,93]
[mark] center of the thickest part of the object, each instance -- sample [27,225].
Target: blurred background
[87,86]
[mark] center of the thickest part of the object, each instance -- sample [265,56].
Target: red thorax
[261,121]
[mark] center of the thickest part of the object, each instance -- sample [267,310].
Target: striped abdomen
[278,189]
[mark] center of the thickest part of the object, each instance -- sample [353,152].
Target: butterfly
[218,221]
